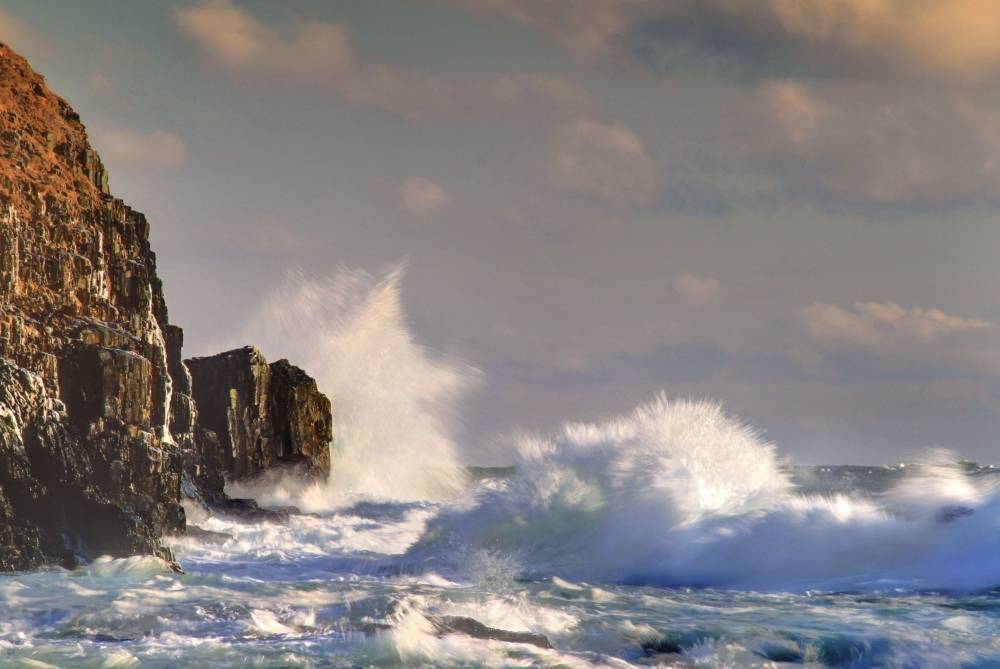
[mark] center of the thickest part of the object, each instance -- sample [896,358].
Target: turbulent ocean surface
[670,536]
[849,567]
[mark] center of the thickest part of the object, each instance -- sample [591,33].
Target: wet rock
[265,415]
[951,513]
[249,510]
[470,627]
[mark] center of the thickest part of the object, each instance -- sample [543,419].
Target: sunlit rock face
[95,407]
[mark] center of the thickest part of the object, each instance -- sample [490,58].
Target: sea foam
[680,494]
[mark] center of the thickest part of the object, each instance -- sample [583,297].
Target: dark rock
[950,513]
[475,629]
[265,415]
[248,509]
[90,461]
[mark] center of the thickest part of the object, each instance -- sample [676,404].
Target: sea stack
[97,413]
[265,415]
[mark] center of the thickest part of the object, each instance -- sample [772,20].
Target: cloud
[875,325]
[945,39]
[606,162]
[320,54]
[586,27]
[798,114]
[695,290]
[20,36]
[100,84]
[155,149]
[422,196]
[864,144]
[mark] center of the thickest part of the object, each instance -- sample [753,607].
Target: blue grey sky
[786,206]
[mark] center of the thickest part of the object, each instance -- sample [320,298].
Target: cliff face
[90,457]
[97,419]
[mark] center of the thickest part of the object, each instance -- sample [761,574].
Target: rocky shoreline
[104,428]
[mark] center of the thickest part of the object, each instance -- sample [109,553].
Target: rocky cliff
[97,417]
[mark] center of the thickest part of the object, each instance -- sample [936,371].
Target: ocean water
[671,536]
[363,587]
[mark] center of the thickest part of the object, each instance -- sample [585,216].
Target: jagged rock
[471,627]
[90,461]
[265,415]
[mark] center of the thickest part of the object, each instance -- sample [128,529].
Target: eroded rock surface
[265,415]
[90,456]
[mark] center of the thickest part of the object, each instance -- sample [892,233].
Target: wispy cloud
[158,148]
[19,35]
[422,196]
[943,39]
[865,144]
[873,325]
[320,54]
[696,291]
[587,27]
[100,84]
[608,162]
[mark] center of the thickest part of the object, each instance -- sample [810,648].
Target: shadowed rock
[475,629]
[265,415]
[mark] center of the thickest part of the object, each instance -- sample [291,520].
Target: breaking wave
[674,493]
[396,402]
[680,494]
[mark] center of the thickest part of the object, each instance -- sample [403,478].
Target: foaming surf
[680,494]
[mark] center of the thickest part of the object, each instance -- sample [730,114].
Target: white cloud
[697,291]
[875,325]
[320,54]
[422,196]
[157,149]
[608,162]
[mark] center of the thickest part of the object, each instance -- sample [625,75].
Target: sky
[789,206]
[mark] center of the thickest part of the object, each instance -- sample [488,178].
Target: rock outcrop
[97,416]
[265,415]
